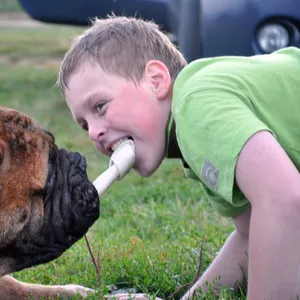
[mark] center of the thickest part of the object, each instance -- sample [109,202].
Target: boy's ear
[159,77]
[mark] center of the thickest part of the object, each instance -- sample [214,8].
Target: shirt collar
[172,148]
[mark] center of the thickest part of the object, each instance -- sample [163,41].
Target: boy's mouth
[119,142]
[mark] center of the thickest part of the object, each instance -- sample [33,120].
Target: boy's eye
[84,126]
[99,107]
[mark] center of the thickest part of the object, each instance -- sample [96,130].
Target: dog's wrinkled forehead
[21,132]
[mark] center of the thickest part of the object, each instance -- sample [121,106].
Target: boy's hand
[129,296]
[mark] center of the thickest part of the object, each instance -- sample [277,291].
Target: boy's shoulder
[231,70]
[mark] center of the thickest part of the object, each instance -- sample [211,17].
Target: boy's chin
[146,170]
[144,173]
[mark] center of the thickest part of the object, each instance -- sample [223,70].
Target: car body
[208,28]
[202,28]
[80,12]
[239,27]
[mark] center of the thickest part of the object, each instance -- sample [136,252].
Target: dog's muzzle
[71,206]
[72,202]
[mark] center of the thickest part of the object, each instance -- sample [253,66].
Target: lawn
[151,230]
[9,5]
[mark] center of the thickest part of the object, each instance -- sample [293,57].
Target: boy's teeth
[118,143]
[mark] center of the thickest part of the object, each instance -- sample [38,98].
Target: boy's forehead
[83,72]
[82,80]
[90,74]
[87,85]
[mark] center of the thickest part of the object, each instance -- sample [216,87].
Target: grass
[151,230]
[9,5]
[30,42]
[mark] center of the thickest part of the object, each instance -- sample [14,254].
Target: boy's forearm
[268,178]
[274,254]
[229,265]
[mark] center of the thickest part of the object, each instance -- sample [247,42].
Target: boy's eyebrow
[91,98]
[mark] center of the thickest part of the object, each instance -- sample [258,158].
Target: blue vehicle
[208,28]
[202,28]
[79,12]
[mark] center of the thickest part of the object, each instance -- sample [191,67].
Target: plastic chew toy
[120,163]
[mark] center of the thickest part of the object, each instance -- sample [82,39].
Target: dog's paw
[70,290]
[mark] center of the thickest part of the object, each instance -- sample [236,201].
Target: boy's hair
[121,46]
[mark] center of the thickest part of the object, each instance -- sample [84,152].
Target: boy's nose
[96,134]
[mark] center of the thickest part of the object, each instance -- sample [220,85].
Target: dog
[47,203]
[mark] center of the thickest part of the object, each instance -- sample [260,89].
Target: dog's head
[46,200]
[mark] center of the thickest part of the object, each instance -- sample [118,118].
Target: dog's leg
[12,289]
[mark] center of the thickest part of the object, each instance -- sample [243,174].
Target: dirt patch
[18,19]
[43,61]
[19,15]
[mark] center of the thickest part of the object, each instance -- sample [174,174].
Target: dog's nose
[78,160]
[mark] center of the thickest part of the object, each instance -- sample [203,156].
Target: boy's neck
[173,150]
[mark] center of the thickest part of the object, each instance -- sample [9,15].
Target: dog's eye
[37,192]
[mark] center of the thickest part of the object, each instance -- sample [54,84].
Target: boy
[237,131]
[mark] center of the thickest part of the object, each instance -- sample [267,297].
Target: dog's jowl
[47,203]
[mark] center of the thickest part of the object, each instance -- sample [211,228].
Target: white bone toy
[120,163]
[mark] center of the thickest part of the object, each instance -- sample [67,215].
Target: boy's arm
[271,182]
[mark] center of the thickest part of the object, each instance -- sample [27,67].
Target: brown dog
[46,204]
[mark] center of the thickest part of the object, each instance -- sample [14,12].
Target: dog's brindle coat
[46,203]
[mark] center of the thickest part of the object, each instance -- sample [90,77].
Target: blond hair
[121,46]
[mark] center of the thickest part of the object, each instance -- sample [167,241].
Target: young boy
[237,131]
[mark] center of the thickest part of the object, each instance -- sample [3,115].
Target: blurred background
[151,230]
[201,28]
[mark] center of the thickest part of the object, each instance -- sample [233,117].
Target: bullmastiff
[46,204]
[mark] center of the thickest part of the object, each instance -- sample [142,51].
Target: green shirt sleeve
[212,126]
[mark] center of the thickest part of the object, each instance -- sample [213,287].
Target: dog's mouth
[71,202]
[84,199]
[71,206]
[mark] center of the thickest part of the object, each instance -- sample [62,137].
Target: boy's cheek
[147,123]
[141,121]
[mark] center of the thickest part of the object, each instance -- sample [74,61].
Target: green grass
[30,42]
[151,230]
[9,5]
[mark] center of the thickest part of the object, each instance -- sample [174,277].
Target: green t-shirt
[219,103]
